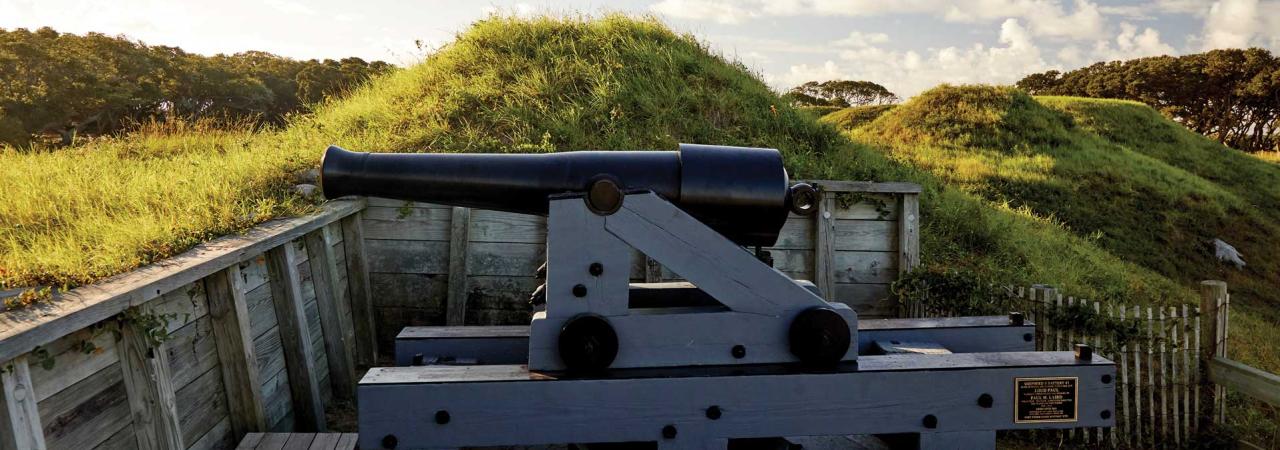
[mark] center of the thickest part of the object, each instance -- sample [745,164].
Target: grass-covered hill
[1115,173]
[990,209]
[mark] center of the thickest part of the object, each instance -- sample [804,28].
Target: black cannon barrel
[738,191]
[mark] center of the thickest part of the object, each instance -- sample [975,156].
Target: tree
[841,93]
[1231,95]
[67,84]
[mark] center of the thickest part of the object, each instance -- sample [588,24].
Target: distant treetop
[1231,95]
[840,93]
[63,84]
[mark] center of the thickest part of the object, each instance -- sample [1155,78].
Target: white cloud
[291,7]
[1132,44]
[1194,7]
[909,72]
[858,39]
[1043,17]
[718,11]
[1241,23]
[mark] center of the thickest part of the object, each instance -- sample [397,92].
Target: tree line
[840,93]
[1231,95]
[63,85]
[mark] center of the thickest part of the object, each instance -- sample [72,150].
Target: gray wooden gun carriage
[739,351]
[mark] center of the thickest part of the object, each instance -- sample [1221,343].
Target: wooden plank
[868,186]
[123,439]
[325,441]
[1187,350]
[250,441]
[1195,358]
[217,438]
[192,352]
[1175,387]
[20,427]
[273,441]
[299,441]
[868,300]
[276,398]
[347,441]
[201,405]
[87,413]
[1151,375]
[253,272]
[342,372]
[1123,416]
[1162,381]
[262,312]
[412,224]
[459,238]
[909,233]
[182,305]
[72,363]
[1137,382]
[286,294]
[504,227]
[339,261]
[21,330]
[229,317]
[1245,379]
[797,233]
[498,259]
[824,246]
[393,203]
[1212,293]
[867,235]
[863,267]
[409,290]
[408,256]
[150,389]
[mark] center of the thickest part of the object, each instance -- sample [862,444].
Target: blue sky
[908,46]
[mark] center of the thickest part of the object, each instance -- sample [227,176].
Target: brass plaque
[1046,399]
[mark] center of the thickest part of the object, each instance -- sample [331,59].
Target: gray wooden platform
[298,441]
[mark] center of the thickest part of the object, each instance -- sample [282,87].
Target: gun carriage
[741,351]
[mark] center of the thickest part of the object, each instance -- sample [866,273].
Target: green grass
[853,117]
[1017,190]
[1114,173]
[815,112]
[72,216]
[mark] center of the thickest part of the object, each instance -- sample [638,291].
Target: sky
[907,45]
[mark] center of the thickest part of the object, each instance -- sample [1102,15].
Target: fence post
[1213,294]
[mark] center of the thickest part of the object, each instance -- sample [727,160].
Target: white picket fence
[1158,354]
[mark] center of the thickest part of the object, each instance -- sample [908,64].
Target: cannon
[739,351]
[740,192]
[711,201]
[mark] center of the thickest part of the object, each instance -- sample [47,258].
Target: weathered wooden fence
[245,333]
[1171,365]
[434,265]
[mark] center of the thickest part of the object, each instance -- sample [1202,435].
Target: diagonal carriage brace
[588,274]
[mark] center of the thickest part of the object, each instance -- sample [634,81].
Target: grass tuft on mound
[855,116]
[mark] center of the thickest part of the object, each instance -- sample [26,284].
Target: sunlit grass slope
[1115,173]
[849,118]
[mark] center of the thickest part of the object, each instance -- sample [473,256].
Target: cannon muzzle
[740,192]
